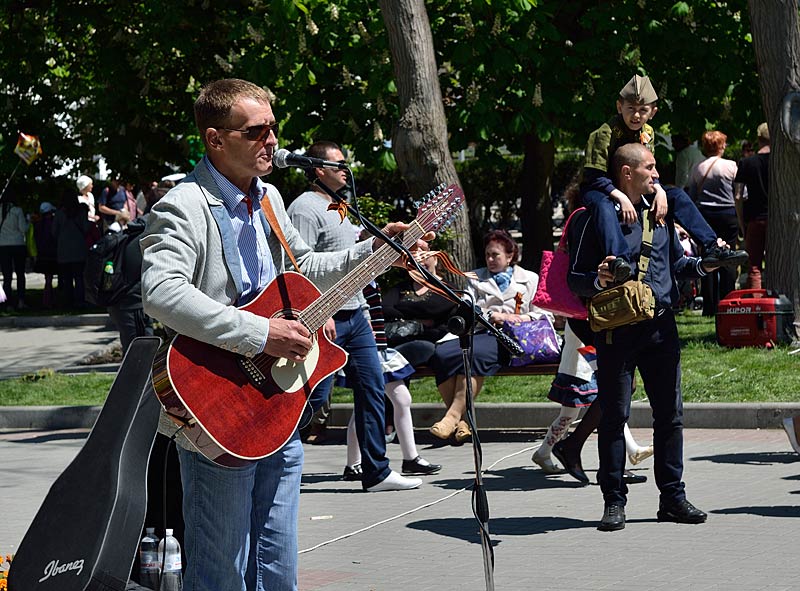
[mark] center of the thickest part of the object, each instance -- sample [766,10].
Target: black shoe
[613,518]
[629,477]
[570,461]
[414,467]
[719,256]
[682,512]
[353,474]
[620,269]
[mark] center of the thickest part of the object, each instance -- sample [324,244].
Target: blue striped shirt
[255,260]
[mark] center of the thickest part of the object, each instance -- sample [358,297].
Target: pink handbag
[552,293]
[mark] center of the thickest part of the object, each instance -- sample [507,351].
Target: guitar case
[86,533]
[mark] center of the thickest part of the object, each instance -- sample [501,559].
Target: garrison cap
[638,90]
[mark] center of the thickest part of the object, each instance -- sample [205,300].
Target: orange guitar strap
[266,207]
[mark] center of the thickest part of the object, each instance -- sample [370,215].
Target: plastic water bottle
[169,554]
[108,274]
[148,560]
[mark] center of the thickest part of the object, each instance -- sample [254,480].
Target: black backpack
[104,275]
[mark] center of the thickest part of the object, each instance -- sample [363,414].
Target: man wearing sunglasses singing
[209,249]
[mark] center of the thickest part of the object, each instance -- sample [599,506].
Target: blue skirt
[573,392]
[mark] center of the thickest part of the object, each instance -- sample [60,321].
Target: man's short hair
[319,149]
[763,132]
[213,107]
[628,155]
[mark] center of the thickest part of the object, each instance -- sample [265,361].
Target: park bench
[539,369]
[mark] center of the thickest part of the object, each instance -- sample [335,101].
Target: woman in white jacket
[13,253]
[504,292]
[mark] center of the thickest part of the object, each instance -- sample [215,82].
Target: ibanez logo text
[53,568]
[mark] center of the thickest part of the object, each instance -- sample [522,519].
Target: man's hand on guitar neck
[393,228]
[288,339]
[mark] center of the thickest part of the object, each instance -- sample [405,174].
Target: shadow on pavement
[750,458]
[466,528]
[42,437]
[774,511]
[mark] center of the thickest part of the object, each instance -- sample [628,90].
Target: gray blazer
[190,269]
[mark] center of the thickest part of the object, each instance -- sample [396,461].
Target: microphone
[284,158]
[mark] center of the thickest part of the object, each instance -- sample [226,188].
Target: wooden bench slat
[542,369]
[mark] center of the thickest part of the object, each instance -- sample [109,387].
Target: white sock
[398,393]
[557,430]
[353,451]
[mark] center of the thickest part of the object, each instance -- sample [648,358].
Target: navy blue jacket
[585,254]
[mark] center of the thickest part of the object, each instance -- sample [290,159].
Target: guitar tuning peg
[417,204]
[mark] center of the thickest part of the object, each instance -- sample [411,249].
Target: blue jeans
[607,224]
[653,347]
[241,523]
[365,376]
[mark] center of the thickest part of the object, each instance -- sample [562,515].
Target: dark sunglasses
[256,133]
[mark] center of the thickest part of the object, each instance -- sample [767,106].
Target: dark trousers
[70,283]
[717,284]
[12,259]
[652,347]
[131,323]
[755,239]
[680,204]
[365,376]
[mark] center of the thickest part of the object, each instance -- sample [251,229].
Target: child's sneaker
[718,256]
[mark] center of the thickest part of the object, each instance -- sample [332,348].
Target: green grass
[710,374]
[47,388]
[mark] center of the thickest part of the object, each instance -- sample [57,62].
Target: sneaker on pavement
[613,518]
[395,482]
[682,512]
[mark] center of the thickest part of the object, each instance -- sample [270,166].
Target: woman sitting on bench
[504,292]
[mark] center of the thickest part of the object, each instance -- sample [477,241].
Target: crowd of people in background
[55,239]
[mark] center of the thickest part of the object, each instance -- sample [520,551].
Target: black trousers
[652,347]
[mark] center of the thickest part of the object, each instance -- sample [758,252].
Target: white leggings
[401,400]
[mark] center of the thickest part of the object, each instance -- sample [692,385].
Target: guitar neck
[332,300]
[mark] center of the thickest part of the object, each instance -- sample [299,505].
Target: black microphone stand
[461,324]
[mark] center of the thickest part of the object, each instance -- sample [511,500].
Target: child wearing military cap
[635,107]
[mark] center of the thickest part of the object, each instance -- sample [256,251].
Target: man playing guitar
[208,250]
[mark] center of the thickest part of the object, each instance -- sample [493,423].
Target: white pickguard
[290,376]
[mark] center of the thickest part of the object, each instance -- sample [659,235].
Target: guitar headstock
[438,208]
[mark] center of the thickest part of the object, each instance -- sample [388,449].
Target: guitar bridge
[252,371]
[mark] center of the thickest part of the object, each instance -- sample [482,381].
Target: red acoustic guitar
[236,409]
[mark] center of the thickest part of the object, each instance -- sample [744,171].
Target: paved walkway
[543,527]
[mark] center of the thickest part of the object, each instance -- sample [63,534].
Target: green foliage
[118,78]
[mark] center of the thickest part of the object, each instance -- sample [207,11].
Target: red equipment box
[754,318]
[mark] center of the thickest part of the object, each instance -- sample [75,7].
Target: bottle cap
[169,532]
[150,530]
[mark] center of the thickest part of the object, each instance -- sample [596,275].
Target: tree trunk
[776,39]
[419,140]
[536,208]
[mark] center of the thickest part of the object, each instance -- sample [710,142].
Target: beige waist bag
[631,302]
